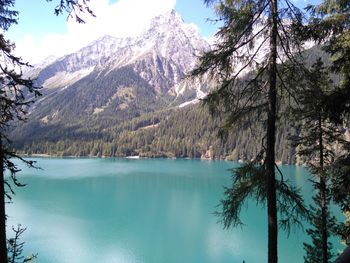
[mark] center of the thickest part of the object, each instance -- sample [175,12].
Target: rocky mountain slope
[113,74]
[116,79]
[120,97]
[160,55]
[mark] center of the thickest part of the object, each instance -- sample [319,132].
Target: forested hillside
[117,98]
[182,132]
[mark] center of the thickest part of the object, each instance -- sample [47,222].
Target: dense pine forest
[182,133]
[141,123]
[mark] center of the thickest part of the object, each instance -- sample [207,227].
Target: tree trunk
[324,220]
[3,247]
[323,196]
[270,140]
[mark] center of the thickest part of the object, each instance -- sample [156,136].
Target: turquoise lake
[144,211]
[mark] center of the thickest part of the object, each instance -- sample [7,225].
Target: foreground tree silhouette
[316,142]
[329,25]
[13,105]
[15,247]
[256,36]
[17,93]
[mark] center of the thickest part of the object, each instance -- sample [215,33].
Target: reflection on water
[105,210]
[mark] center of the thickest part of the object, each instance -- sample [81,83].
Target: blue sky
[40,33]
[37,17]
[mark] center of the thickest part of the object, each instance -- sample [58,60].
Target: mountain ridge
[130,96]
[168,39]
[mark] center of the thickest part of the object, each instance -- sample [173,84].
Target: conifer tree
[254,46]
[316,143]
[329,26]
[13,105]
[15,247]
[317,252]
[17,93]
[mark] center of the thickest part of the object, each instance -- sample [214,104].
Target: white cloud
[121,19]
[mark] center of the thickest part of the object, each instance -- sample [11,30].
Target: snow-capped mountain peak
[161,55]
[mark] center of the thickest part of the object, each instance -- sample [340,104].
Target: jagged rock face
[161,55]
[161,73]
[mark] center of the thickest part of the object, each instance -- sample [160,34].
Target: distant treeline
[183,133]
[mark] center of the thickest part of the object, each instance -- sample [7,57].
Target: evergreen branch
[291,207]
[280,173]
[251,59]
[252,23]
[246,183]
[292,8]
[249,182]
[285,86]
[246,42]
[286,50]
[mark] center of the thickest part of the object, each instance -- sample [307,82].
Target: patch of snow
[65,87]
[98,110]
[191,102]
[150,126]
[46,61]
[45,119]
[64,79]
[200,93]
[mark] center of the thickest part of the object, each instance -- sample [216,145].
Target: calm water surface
[149,211]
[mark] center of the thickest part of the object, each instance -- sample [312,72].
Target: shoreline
[132,157]
[137,157]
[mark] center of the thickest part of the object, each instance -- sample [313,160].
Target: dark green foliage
[73,8]
[316,142]
[248,184]
[312,116]
[313,251]
[340,185]
[329,25]
[341,182]
[8,16]
[187,132]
